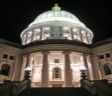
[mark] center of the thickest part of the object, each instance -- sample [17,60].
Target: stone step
[55,92]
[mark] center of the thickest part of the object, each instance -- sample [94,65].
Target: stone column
[26,72]
[86,64]
[87,37]
[41,30]
[89,59]
[26,38]
[32,35]
[94,59]
[28,60]
[80,35]
[101,65]
[72,35]
[68,74]
[45,70]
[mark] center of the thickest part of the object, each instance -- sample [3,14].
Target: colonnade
[76,34]
[67,68]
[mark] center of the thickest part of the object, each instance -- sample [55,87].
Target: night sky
[16,15]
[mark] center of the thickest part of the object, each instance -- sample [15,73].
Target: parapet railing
[97,87]
[13,88]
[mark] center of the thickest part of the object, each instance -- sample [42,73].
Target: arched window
[5,69]
[107,69]
[56,73]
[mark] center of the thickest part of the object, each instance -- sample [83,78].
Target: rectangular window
[5,56]
[11,57]
[101,56]
[56,60]
[107,55]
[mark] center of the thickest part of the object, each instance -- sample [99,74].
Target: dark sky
[16,15]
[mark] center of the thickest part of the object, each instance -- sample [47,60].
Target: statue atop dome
[56,7]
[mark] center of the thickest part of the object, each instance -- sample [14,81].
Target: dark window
[107,69]
[5,69]
[47,37]
[60,34]
[52,34]
[101,56]
[5,56]
[65,37]
[11,57]
[56,73]
[46,32]
[56,60]
[107,55]
[66,32]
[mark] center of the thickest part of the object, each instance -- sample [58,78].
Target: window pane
[67,33]
[5,56]
[56,73]
[45,33]
[56,60]
[107,55]
[5,69]
[11,57]
[101,56]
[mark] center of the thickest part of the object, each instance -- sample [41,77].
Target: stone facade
[33,55]
[55,48]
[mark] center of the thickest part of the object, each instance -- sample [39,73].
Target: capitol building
[55,48]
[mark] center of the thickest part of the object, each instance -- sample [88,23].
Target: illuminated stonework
[56,46]
[56,24]
[58,67]
[57,60]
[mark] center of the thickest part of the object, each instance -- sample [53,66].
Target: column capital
[27,54]
[66,52]
[45,52]
[85,54]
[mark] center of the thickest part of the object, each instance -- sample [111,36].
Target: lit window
[36,34]
[45,33]
[89,38]
[76,34]
[67,33]
[29,37]
[84,38]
